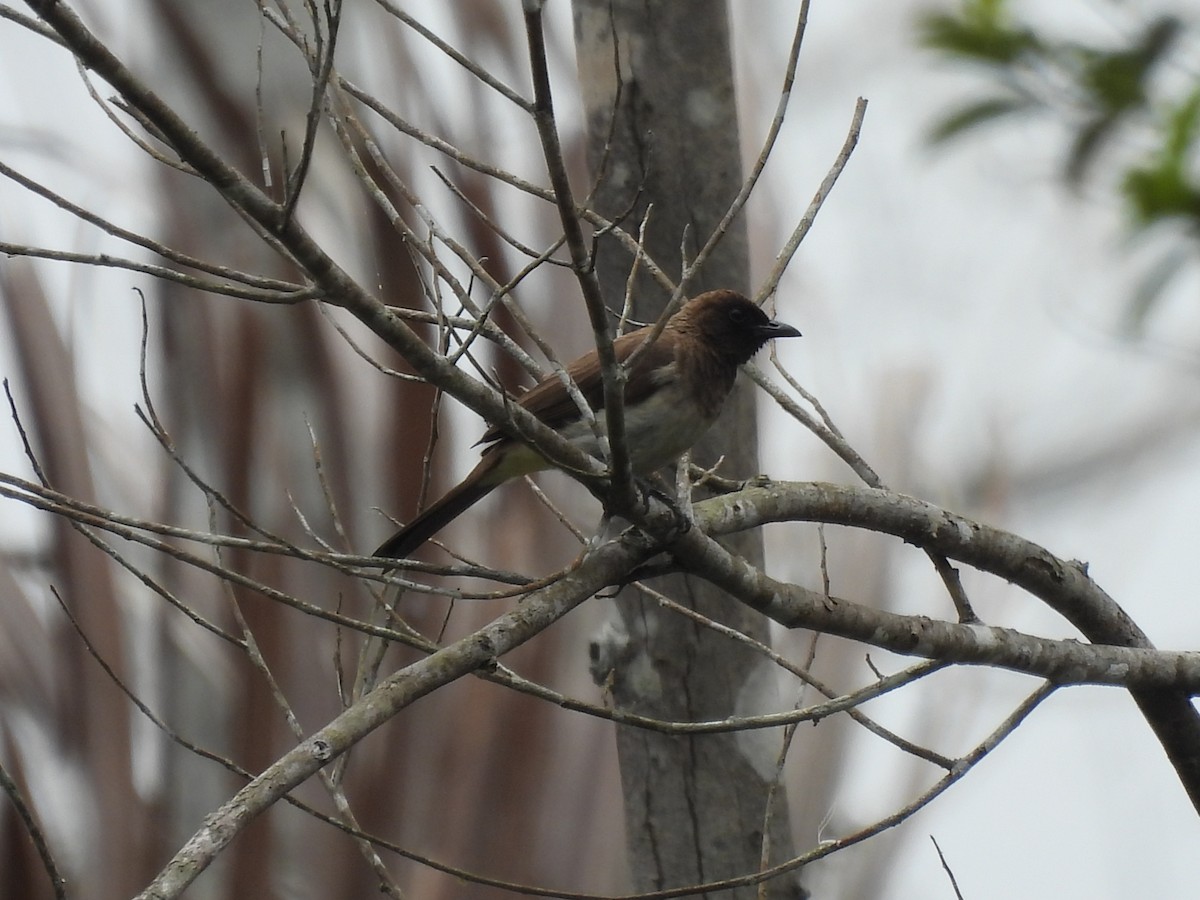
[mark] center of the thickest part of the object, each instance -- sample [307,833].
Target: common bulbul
[673,393]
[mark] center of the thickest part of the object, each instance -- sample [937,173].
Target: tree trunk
[695,807]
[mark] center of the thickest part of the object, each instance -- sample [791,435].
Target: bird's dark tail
[473,488]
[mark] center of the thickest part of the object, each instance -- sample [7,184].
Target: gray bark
[695,806]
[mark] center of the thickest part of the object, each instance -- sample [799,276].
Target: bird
[674,392]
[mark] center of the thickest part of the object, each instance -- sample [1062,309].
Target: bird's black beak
[775,329]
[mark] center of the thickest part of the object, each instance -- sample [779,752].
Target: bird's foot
[681,512]
[756,481]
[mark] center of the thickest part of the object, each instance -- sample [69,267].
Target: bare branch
[57,882]
[751,180]
[793,243]
[622,494]
[470,65]
[259,281]
[396,692]
[298,294]
[1065,586]
[323,65]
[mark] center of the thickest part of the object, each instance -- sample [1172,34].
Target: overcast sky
[960,313]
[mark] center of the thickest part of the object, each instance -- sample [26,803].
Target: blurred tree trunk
[695,807]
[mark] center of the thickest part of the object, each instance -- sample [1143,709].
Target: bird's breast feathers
[659,427]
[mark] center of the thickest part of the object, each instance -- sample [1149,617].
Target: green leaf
[980,34]
[1161,192]
[977,113]
[1116,80]
[1166,186]
[1182,127]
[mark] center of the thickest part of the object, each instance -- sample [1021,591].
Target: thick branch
[335,284]
[538,611]
[1161,683]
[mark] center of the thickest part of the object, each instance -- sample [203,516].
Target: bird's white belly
[657,430]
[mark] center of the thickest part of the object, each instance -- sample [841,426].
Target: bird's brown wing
[550,402]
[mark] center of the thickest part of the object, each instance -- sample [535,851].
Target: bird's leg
[612,524]
[679,501]
[756,481]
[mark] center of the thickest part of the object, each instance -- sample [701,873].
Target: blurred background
[985,331]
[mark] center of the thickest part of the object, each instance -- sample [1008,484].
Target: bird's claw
[756,481]
[682,516]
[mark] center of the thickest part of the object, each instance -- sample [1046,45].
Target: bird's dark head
[730,324]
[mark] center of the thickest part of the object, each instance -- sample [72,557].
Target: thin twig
[58,883]
[470,65]
[784,258]
[136,139]
[843,703]
[326,44]
[946,867]
[140,240]
[961,767]
[622,493]
[756,170]
[496,228]
[297,294]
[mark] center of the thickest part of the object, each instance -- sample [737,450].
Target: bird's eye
[737,315]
